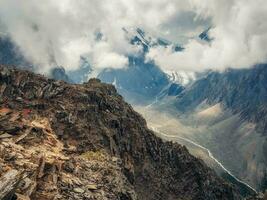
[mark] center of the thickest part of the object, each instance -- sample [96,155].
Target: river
[171,137]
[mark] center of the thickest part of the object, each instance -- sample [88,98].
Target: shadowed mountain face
[243,91]
[140,83]
[227,113]
[59,73]
[81,75]
[93,145]
[10,55]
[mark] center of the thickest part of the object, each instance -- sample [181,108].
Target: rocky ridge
[66,141]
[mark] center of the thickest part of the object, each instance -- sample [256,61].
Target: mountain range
[224,112]
[241,96]
[69,141]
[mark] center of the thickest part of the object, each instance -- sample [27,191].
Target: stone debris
[84,142]
[9,182]
[91,187]
[5,135]
[52,174]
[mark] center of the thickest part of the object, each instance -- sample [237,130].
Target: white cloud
[239,32]
[59,32]
[103,57]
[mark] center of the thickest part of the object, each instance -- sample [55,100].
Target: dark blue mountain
[244,91]
[175,89]
[10,53]
[141,82]
[228,112]
[81,75]
[59,73]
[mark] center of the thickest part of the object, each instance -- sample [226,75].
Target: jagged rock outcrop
[85,142]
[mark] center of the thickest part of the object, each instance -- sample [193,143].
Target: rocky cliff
[66,141]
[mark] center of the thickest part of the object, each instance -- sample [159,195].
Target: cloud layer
[239,32]
[59,32]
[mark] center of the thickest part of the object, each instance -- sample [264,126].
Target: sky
[50,32]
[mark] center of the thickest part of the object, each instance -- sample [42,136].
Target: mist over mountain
[65,31]
[142,81]
[195,70]
[10,53]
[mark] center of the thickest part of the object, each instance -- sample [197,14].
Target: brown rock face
[85,142]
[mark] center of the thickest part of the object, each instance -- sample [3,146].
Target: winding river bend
[171,137]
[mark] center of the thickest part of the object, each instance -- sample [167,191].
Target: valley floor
[207,135]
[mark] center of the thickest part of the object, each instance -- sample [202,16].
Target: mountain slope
[226,112]
[85,142]
[10,54]
[243,91]
[142,81]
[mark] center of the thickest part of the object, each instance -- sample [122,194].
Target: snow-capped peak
[181,77]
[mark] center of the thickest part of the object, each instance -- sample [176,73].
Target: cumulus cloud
[104,57]
[59,32]
[240,38]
